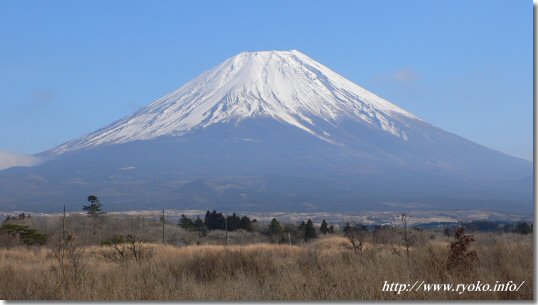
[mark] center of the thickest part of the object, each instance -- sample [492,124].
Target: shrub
[356,236]
[124,249]
[523,228]
[70,258]
[460,257]
[26,235]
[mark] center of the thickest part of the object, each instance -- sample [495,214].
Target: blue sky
[70,67]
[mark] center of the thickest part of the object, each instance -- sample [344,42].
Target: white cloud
[9,159]
[44,95]
[405,75]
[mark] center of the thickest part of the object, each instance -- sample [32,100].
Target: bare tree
[124,249]
[357,236]
[407,238]
[9,239]
[70,258]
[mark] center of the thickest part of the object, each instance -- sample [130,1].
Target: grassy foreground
[325,269]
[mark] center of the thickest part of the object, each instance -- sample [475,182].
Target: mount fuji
[272,131]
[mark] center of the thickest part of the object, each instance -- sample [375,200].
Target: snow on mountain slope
[287,86]
[272,131]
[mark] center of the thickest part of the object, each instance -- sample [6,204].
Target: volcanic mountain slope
[272,131]
[286,86]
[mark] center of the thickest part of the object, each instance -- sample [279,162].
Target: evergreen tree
[361,227]
[22,233]
[509,227]
[199,226]
[220,221]
[245,224]
[198,223]
[331,229]
[310,231]
[185,222]
[301,229]
[215,221]
[523,228]
[324,227]
[207,219]
[233,222]
[347,228]
[254,226]
[94,208]
[275,228]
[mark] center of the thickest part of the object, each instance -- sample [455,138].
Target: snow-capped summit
[272,131]
[287,86]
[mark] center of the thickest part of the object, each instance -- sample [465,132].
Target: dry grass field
[325,269]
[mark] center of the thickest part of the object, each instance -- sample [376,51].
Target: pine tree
[198,223]
[245,224]
[207,219]
[310,231]
[275,228]
[214,221]
[301,229]
[185,222]
[199,226]
[233,222]
[94,209]
[523,228]
[347,228]
[220,221]
[22,233]
[324,227]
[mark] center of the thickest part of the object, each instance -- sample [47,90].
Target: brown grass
[326,269]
